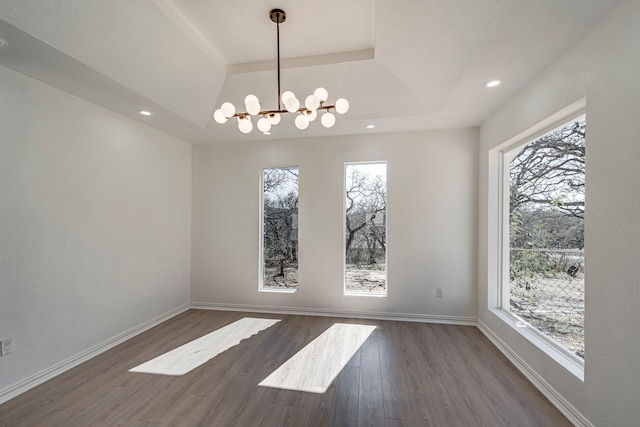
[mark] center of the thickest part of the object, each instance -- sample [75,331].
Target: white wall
[95,218]
[604,67]
[431,222]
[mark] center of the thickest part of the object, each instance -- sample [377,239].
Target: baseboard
[567,409]
[63,366]
[426,318]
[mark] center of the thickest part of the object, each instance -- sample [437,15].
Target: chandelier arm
[283,111]
[325,107]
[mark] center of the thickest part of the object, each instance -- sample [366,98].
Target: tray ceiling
[403,64]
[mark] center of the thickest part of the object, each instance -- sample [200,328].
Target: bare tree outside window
[546,233]
[365,228]
[280,228]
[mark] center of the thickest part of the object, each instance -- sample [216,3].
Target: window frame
[344,232]
[498,250]
[261,231]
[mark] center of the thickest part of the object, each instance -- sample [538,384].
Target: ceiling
[402,64]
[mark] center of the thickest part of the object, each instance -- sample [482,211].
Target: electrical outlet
[438,293]
[6,346]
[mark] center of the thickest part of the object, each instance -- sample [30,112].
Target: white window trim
[261,287]
[498,250]
[344,232]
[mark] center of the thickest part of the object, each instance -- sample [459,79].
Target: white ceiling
[403,64]
[241,31]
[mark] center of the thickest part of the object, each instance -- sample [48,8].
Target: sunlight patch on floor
[314,368]
[199,351]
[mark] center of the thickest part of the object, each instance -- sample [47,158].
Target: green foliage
[527,259]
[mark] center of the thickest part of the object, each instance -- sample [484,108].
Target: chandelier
[313,104]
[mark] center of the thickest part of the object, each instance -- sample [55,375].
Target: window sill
[557,352]
[279,290]
[365,294]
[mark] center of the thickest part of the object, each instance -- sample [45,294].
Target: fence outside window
[547,291]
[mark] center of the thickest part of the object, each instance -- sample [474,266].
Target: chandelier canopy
[267,118]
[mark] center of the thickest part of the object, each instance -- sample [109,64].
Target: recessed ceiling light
[144,112]
[493,83]
[370,126]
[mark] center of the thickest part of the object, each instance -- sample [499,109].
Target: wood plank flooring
[314,368]
[405,374]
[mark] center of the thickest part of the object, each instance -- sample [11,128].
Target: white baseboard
[426,318]
[567,409]
[73,361]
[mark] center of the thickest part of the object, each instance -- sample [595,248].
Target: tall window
[279,264]
[546,195]
[365,240]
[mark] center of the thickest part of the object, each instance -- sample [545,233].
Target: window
[365,240]
[279,248]
[543,211]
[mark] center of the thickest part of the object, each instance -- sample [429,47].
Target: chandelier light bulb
[274,118]
[228,109]
[342,106]
[286,95]
[322,94]
[312,102]
[311,114]
[264,125]
[249,98]
[302,122]
[219,116]
[292,104]
[244,124]
[328,120]
[253,107]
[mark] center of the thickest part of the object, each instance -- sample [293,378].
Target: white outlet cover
[7,346]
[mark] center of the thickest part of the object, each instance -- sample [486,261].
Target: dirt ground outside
[555,306]
[274,280]
[363,279]
[366,279]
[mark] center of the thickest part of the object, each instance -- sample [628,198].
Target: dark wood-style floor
[405,374]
